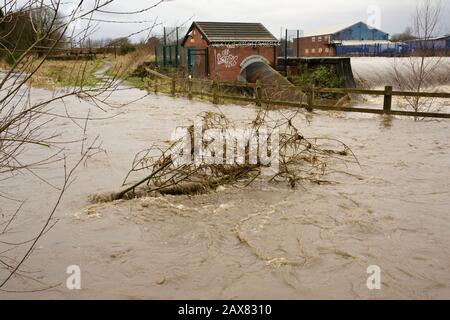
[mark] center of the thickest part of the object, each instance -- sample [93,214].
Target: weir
[378,72]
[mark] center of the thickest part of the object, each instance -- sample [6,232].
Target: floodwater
[377,72]
[263,242]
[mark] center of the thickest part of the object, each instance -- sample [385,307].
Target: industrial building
[343,40]
[434,46]
[370,48]
[221,49]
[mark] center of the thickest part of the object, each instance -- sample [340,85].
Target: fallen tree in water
[207,156]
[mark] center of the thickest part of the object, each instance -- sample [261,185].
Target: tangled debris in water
[298,159]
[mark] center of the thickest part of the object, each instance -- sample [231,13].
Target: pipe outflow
[257,68]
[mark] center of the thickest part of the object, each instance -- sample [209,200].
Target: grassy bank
[124,67]
[58,73]
[55,73]
[136,82]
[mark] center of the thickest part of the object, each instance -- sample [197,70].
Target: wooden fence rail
[186,87]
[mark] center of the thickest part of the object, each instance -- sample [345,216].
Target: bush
[124,44]
[11,58]
[127,48]
[322,76]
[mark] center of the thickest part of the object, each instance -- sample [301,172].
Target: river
[262,242]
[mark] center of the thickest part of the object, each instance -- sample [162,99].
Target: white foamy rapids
[377,72]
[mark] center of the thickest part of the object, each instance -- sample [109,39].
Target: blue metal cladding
[438,45]
[360,31]
[393,49]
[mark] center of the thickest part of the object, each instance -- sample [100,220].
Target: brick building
[219,49]
[323,42]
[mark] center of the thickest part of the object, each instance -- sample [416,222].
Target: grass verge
[54,73]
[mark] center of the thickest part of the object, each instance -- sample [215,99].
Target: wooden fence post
[174,87]
[387,106]
[215,89]
[156,86]
[190,89]
[258,93]
[146,84]
[311,99]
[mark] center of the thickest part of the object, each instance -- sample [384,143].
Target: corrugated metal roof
[360,42]
[430,39]
[235,32]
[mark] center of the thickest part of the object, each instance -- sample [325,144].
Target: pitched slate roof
[234,32]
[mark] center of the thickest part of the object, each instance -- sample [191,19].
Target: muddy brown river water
[263,242]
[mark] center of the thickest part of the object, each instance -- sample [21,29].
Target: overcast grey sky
[275,14]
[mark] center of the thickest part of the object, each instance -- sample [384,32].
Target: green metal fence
[168,54]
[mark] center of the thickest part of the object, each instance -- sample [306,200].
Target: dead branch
[301,160]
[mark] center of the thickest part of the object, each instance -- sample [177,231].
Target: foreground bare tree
[423,63]
[31,32]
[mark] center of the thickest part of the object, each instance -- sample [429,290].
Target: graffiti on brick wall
[227,59]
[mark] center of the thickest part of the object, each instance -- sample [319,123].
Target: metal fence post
[165,49]
[387,106]
[177,50]
[286,54]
